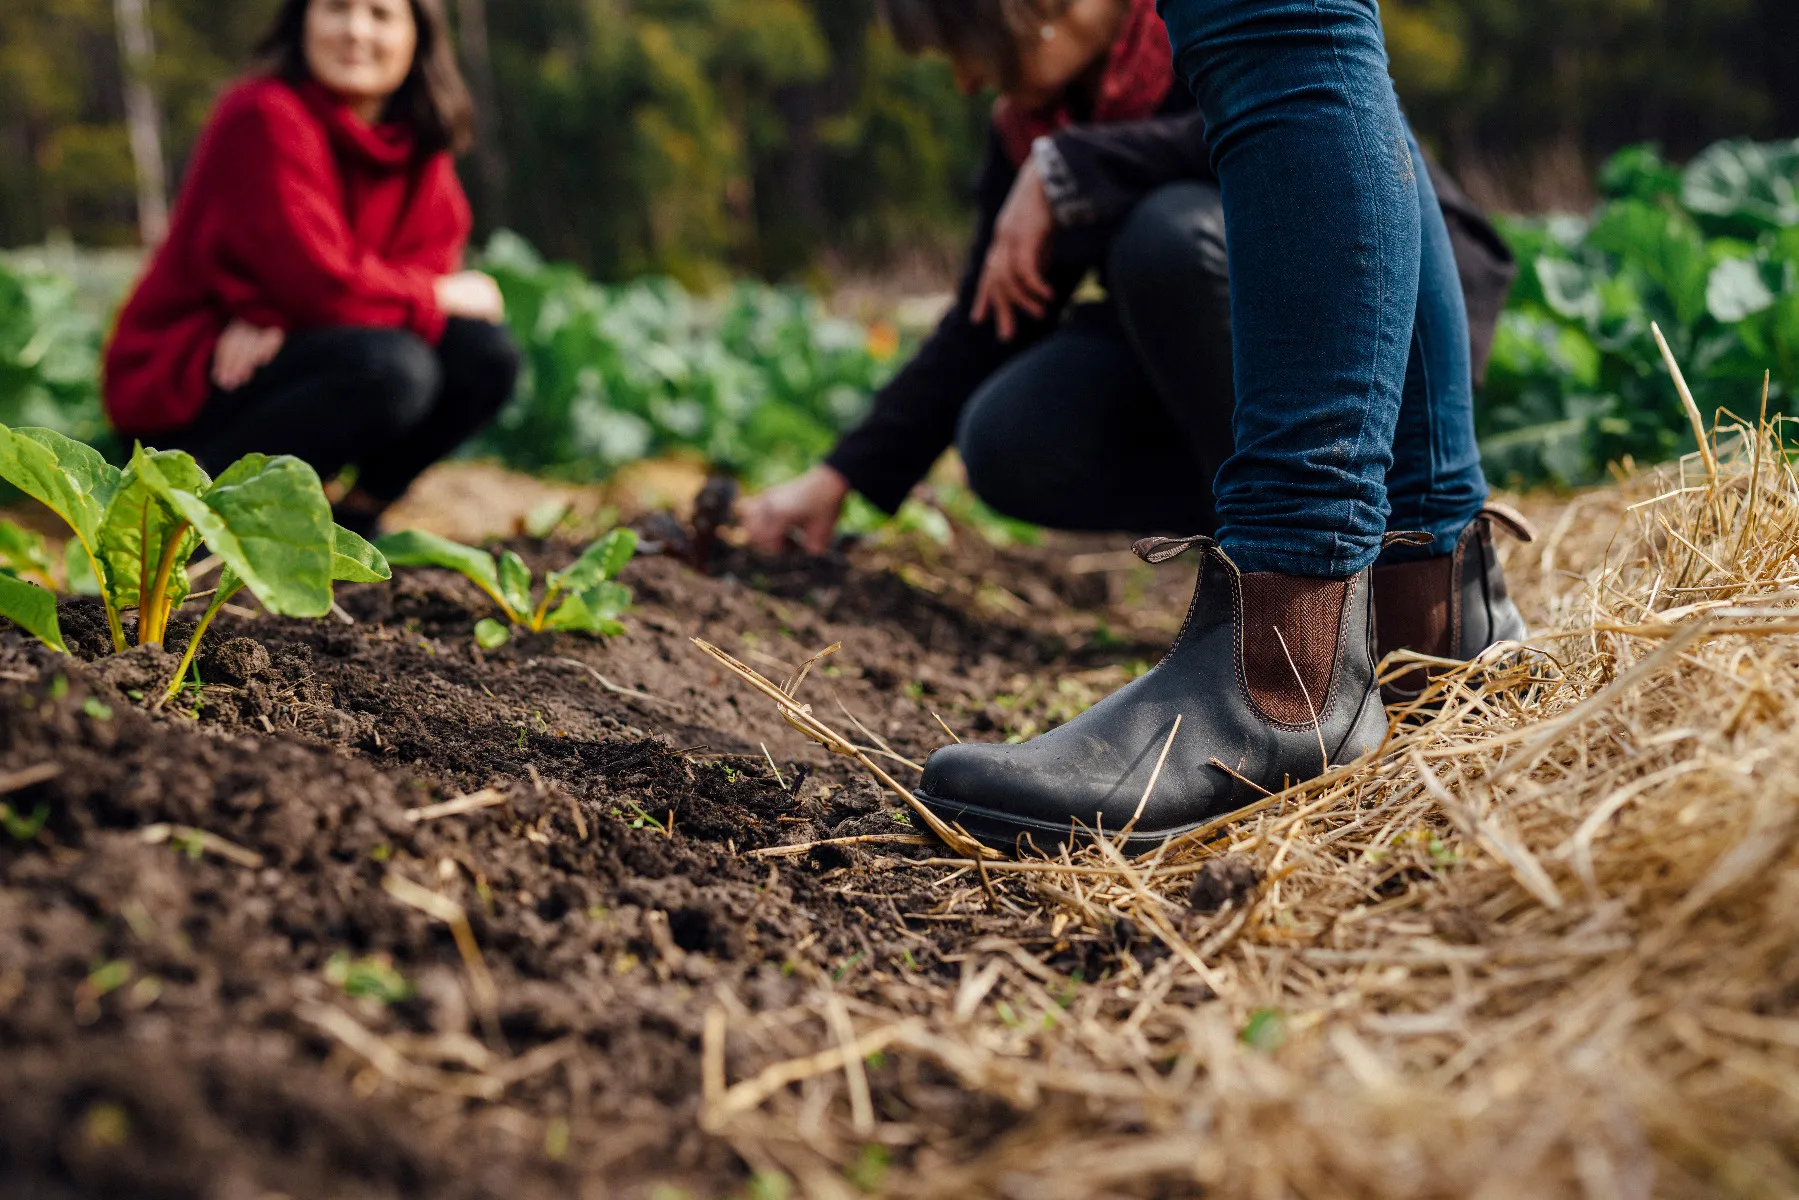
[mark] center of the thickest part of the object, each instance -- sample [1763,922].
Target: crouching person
[310,298]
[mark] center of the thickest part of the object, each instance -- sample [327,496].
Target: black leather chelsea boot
[1272,681]
[1452,606]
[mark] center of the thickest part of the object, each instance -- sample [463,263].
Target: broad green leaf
[1639,172]
[1751,186]
[602,561]
[1666,246]
[353,560]
[24,552]
[490,634]
[1570,290]
[68,478]
[247,467]
[271,526]
[32,609]
[415,548]
[594,611]
[515,583]
[607,599]
[138,523]
[1736,291]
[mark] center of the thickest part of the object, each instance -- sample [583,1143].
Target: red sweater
[295,215]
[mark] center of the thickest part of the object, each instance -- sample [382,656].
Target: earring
[1047,33]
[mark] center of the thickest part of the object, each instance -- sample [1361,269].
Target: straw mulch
[1546,944]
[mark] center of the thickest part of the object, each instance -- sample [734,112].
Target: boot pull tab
[1158,550]
[1515,522]
[1407,538]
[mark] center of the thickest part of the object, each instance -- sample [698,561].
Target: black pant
[381,400]
[1122,417]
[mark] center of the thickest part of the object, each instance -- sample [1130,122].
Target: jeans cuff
[1445,532]
[1314,557]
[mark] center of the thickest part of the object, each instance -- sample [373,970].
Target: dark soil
[161,989]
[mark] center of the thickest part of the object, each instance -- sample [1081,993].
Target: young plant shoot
[136,530]
[584,598]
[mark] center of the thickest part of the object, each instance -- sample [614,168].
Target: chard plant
[584,598]
[137,530]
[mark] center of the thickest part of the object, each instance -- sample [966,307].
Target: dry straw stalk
[1545,944]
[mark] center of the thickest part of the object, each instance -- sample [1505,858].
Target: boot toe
[994,792]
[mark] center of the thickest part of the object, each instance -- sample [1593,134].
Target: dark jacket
[1098,175]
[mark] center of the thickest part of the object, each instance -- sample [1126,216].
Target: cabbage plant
[137,529]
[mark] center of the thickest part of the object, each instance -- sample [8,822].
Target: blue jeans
[1354,409]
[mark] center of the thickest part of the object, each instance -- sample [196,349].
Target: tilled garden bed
[217,974]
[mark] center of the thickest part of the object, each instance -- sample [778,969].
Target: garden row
[133,534]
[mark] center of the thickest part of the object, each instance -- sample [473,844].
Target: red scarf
[1138,76]
[386,147]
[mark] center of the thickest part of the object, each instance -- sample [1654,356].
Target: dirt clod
[140,669]
[1221,881]
[236,662]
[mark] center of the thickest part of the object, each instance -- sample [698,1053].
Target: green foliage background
[761,379]
[705,137]
[691,137]
[664,148]
[1710,253]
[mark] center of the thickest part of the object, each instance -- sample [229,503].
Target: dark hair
[434,100]
[988,31]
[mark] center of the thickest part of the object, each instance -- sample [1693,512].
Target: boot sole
[1015,834]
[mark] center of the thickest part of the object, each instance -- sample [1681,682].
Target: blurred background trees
[707,137]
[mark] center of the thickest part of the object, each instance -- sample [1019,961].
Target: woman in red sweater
[310,299]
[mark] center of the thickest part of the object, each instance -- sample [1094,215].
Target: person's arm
[914,417]
[282,232]
[1095,174]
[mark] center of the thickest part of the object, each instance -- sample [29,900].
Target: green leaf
[1570,290]
[138,523]
[353,560]
[515,583]
[1666,246]
[602,561]
[23,829]
[594,611]
[1639,172]
[415,548]
[68,478]
[1265,1031]
[24,551]
[1736,291]
[245,468]
[490,634]
[32,609]
[1752,187]
[272,524]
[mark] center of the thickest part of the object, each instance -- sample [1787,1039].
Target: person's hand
[808,506]
[243,350]
[1012,280]
[471,295]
